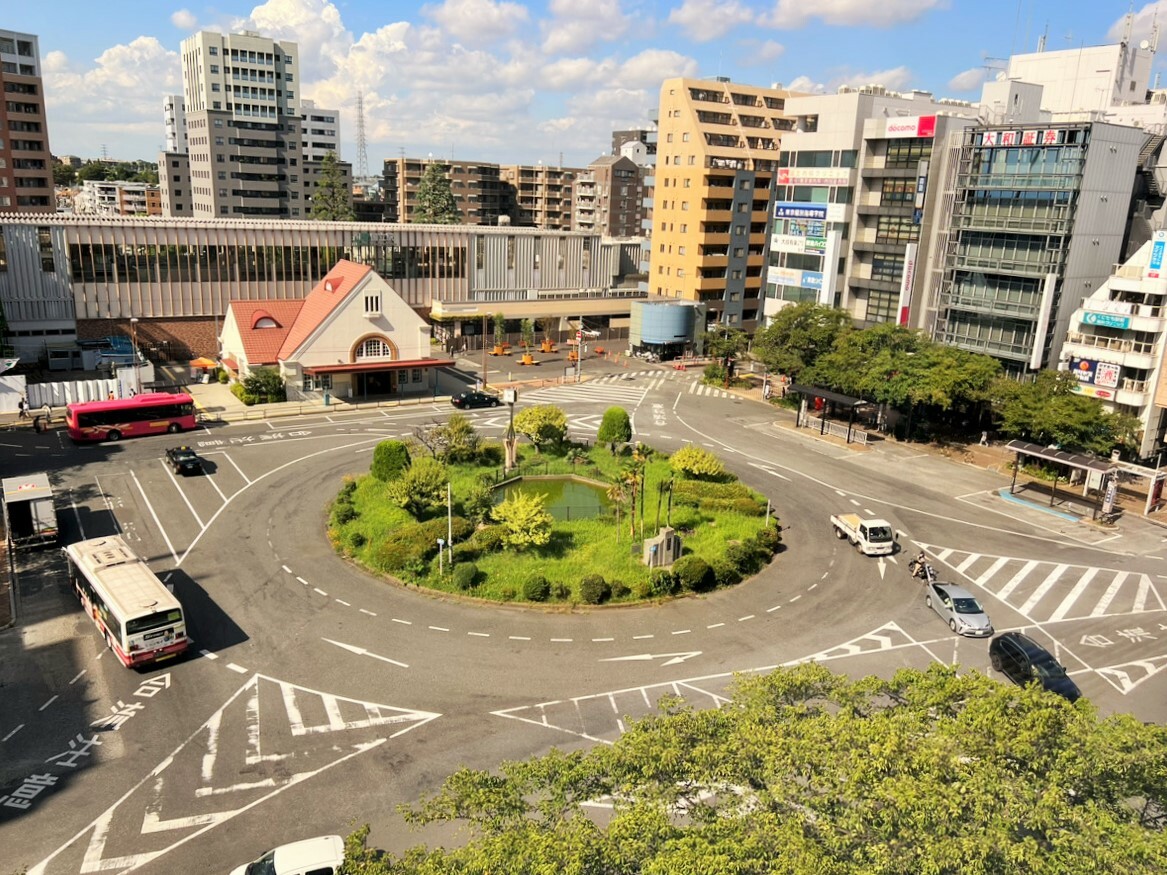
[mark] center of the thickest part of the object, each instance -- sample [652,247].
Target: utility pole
[484,352]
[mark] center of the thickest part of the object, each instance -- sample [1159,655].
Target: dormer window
[266,322]
[373,305]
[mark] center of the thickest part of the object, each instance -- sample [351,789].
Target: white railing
[837,429]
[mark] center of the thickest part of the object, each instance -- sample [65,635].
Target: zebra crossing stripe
[1072,596]
[943,555]
[1044,587]
[1111,592]
[964,566]
[1016,579]
[993,569]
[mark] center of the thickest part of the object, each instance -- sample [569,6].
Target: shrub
[714,374]
[479,500]
[465,575]
[542,425]
[744,557]
[536,588]
[347,489]
[662,582]
[769,537]
[693,573]
[525,521]
[697,462]
[222,376]
[390,458]
[243,395]
[356,540]
[724,572]
[343,512]
[642,589]
[487,539]
[560,591]
[490,454]
[410,547]
[593,589]
[421,487]
[744,506]
[507,593]
[620,589]
[705,490]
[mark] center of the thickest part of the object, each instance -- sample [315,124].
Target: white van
[318,856]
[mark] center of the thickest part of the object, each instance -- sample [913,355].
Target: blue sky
[537,81]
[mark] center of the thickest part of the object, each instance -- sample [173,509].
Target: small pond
[566,497]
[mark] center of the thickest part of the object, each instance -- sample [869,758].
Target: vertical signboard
[906,281]
[1155,265]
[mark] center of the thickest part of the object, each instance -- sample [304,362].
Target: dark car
[1022,660]
[184,460]
[474,398]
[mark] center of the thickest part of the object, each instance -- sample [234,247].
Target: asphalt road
[318,697]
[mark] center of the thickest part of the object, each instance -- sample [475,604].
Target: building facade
[69,277]
[609,197]
[1038,218]
[539,196]
[118,198]
[174,184]
[477,189]
[1117,338]
[645,137]
[26,164]
[321,131]
[243,123]
[712,193]
[174,119]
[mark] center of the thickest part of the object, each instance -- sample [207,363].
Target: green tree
[525,520]
[63,174]
[454,440]
[798,335]
[265,384]
[696,462]
[97,171]
[1047,410]
[332,199]
[148,175]
[527,333]
[435,201]
[725,343]
[542,425]
[615,427]
[804,771]
[498,322]
[421,487]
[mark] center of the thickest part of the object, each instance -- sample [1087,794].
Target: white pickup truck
[870,537]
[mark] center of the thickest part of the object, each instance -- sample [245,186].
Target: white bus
[139,618]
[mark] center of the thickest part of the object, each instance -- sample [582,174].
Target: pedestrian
[984,438]
[47,412]
[111,394]
[22,406]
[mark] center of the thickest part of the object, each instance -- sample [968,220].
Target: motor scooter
[922,571]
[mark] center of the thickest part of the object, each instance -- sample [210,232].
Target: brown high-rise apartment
[609,197]
[26,166]
[476,188]
[540,196]
[717,154]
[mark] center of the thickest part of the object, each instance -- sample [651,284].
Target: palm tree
[632,477]
[617,495]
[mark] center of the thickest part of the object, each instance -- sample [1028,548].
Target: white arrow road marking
[360,651]
[882,568]
[671,658]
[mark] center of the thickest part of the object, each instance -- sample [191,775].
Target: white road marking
[746,617]
[208,654]
[560,640]
[439,628]
[363,611]
[157,521]
[670,659]
[402,622]
[287,570]
[682,631]
[1015,580]
[359,651]
[518,638]
[715,625]
[302,580]
[182,494]
[479,634]
[773,609]
[1045,586]
[342,602]
[78,676]
[236,668]
[1111,592]
[640,637]
[46,704]
[1072,596]
[993,569]
[12,733]
[319,590]
[240,470]
[597,640]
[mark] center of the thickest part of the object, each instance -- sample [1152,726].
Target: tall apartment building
[26,165]
[609,197]
[477,189]
[321,130]
[243,122]
[539,196]
[713,188]
[174,118]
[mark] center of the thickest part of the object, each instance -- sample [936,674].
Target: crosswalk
[1053,591]
[628,387]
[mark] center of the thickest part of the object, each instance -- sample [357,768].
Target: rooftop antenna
[362,145]
[1155,34]
[1042,39]
[1128,23]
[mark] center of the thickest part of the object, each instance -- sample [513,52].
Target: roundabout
[319,697]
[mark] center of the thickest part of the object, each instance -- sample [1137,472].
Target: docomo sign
[916,126]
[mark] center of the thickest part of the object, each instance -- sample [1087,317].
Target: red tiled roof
[231,363]
[262,345]
[321,301]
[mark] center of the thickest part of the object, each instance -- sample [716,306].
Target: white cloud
[314,25]
[576,26]
[184,19]
[755,53]
[896,78]
[970,80]
[1144,21]
[652,66]
[477,21]
[705,20]
[793,14]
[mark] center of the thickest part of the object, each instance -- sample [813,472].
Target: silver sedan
[959,608]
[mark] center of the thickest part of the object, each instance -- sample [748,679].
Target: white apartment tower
[174,116]
[321,130]
[243,126]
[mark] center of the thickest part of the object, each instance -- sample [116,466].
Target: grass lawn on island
[578,548]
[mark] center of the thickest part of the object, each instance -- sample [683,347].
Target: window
[374,347]
[372,303]
[415,375]
[44,237]
[212,50]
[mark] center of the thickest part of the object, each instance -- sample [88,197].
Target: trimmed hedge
[243,395]
[536,588]
[693,573]
[390,458]
[593,589]
[411,547]
[465,575]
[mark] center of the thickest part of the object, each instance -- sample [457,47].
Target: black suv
[184,460]
[1022,660]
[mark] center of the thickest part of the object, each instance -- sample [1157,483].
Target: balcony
[990,305]
[994,221]
[1048,263]
[1117,350]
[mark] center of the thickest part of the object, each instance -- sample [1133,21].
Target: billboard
[798,243]
[1155,265]
[1106,320]
[1088,372]
[814,175]
[811,211]
[1021,138]
[915,126]
[906,280]
[803,279]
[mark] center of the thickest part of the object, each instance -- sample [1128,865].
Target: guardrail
[291,408]
[837,429]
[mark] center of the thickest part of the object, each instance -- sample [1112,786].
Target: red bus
[150,413]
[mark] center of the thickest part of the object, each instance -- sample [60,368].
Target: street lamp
[134,351]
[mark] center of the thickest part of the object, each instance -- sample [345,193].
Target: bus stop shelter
[835,399]
[1084,462]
